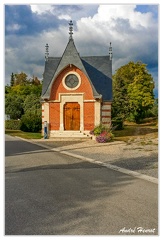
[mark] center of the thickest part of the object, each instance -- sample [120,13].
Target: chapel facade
[77,91]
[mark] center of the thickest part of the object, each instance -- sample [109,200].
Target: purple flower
[103,137]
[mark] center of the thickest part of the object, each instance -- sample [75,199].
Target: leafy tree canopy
[22,95]
[132,91]
[23,80]
[14,106]
[32,104]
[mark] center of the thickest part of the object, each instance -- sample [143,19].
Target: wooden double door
[72,116]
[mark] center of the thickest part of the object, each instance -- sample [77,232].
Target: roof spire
[46,52]
[70,29]
[110,52]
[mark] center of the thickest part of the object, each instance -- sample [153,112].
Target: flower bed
[102,133]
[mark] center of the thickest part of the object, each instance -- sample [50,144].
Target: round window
[71,81]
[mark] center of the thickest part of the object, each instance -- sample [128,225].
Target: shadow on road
[64,200]
[72,198]
[17,147]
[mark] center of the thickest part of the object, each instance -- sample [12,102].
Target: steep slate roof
[97,69]
[50,68]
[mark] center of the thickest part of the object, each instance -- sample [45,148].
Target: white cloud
[41,8]
[13,27]
[64,16]
[116,20]
[110,13]
[133,35]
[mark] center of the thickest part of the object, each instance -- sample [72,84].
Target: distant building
[77,91]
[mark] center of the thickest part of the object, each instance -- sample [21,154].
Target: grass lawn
[133,130]
[26,135]
[130,131]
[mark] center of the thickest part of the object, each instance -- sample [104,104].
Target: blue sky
[132,29]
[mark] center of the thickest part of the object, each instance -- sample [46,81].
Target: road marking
[107,165]
[114,167]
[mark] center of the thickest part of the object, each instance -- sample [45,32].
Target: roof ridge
[69,56]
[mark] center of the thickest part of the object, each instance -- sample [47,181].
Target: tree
[7,89]
[132,91]
[23,97]
[21,79]
[12,80]
[31,122]
[14,106]
[35,81]
[32,104]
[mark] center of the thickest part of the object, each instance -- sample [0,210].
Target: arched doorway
[72,116]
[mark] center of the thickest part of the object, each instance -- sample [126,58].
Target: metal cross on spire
[46,52]
[110,52]
[70,29]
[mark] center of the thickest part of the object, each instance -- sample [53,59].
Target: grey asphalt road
[47,193]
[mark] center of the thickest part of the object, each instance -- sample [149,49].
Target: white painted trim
[46,112]
[65,98]
[69,95]
[89,100]
[97,108]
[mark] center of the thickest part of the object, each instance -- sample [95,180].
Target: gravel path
[139,155]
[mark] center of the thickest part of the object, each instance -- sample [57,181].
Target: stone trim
[78,76]
[71,98]
[97,113]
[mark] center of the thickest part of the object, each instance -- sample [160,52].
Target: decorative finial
[110,52]
[46,52]
[70,29]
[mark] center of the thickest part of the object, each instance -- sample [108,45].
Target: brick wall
[58,87]
[89,117]
[54,116]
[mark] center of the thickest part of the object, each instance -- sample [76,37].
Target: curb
[107,165]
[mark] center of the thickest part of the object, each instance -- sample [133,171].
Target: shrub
[31,123]
[117,123]
[103,134]
[12,124]
[98,130]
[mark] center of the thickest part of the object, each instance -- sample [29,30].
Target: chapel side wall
[106,114]
[54,116]
[89,110]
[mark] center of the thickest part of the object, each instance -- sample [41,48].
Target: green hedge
[12,124]
[31,123]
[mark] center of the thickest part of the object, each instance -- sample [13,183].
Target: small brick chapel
[77,91]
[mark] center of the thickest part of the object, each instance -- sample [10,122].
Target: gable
[98,70]
[59,85]
[70,57]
